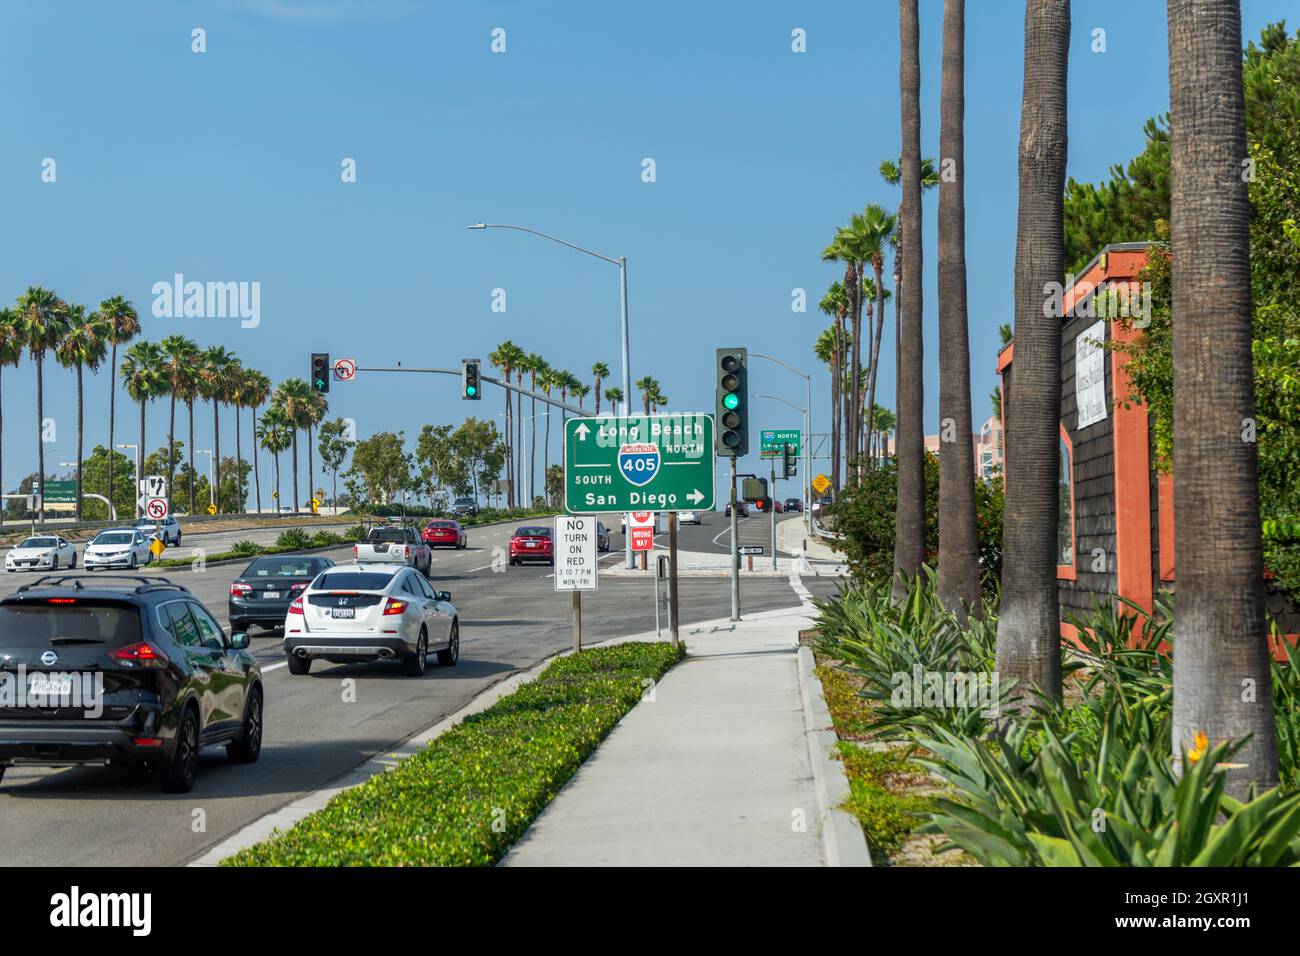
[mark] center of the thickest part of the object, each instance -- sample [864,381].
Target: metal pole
[672,577]
[656,577]
[577,621]
[735,552]
[807,453]
[627,381]
[772,504]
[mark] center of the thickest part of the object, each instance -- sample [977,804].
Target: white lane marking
[275,667]
[727,529]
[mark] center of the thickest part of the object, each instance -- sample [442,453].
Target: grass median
[468,796]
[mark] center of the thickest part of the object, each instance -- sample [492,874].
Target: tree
[535,365]
[549,379]
[94,481]
[142,375]
[909,532]
[649,388]
[881,226]
[180,367]
[1220,635]
[274,432]
[440,465]
[242,392]
[257,389]
[478,446]
[335,444]
[1028,643]
[613,395]
[959,574]
[42,322]
[11,351]
[506,357]
[217,372]
[84,345]
[555,486]
[601,372]
[123,326]
[293,396]
[382,463]
[834,304]
[842,249]
[315,410]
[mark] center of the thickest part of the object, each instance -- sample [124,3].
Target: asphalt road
[511,618]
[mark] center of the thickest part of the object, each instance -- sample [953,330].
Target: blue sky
[225,166]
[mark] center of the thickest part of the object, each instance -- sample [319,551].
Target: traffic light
[470,388]
[791,462]
[320,371]
[732,402]
[753,490]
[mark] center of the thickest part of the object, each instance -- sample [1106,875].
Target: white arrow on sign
[695,497]
[581,431]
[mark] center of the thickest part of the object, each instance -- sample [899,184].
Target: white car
[42,552]
[118,547]
[170,531]
[365,612]
[688,517]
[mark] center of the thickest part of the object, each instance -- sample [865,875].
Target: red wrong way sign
[641,526]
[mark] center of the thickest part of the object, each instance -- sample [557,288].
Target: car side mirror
[443,596]
[239,640]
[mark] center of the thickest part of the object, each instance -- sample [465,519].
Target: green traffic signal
[731,401]
[471,390]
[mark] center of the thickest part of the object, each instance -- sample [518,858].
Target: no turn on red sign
[641,526]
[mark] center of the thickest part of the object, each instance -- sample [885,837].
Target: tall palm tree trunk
[275,455]
[142,444]
[546,448]
[532,446]
[311,470]
[878,267]
[909,516]
[851,410]
[215,490]
[239,466]
[2,445]
[519,437]
[959,570]
[112,408]
[40,431]
[1220,627]
[257,478]
[171,448]
[510,454]
[1028,645]
[81,420]
[294,433]
[189,405]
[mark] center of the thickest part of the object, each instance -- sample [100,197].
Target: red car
[532,543]
[444,534]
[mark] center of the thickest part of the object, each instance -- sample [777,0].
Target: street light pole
[621,262]
[807,427]
[807,513]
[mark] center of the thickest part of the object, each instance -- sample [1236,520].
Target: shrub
[293,539]
[245,548]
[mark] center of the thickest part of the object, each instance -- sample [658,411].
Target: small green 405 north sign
[639,463]
[772,441]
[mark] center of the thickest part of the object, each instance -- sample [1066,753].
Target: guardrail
[824,532]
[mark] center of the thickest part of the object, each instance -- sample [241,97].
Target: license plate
[40,683]
[270,594]
[530,544]
[343,612]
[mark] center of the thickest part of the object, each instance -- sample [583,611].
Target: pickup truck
[394,546]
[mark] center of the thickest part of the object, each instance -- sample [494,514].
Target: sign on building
[1090,374]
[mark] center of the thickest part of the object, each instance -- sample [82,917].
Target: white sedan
[46,552]
[118,547]
[688,517]
[365,612]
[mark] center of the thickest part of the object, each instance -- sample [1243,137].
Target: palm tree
[909,516]
[42,323]
[845,248]
[613,395]
[1028,645]
[11,352]
[275,432]
[601,372]
[648,387]
[834,304]
[506,357]
[959,571]
[123,326]
[180,361]
[216,365]
[84,346]
[241,393]
[582,391]
[314,413]
[257,388]
[293,397]
[144,380]
[879,227]
[547,379]
[883,419]
[534,364]
[1221,627]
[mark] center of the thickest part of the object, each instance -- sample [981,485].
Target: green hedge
[468,796]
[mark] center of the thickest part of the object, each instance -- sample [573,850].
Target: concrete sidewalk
[725,764]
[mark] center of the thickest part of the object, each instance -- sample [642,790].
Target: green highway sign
[60,492]
[639,463]
[772,441]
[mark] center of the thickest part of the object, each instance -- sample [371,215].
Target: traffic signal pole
[735,550]
[771,501]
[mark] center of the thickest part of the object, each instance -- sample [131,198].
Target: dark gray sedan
[262,593]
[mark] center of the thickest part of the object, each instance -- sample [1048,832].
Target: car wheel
[134,562]
[451,655]
[178,776]
[416,665]
[249,745]
[299,665]
[54,563]
[73,565]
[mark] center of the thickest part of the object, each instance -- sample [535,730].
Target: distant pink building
[987,444]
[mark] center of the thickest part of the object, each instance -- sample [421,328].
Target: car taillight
[394,606]
[296,587]
[238,589]
[141,653]
[296,606]
[408,550]
[354,551]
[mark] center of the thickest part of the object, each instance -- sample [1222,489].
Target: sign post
[576,569]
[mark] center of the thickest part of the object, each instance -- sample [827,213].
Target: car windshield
[35,624]
[40,543]
[280,568]
[114,537]
[387,534]
[533,533]
[464,501]
[352,581]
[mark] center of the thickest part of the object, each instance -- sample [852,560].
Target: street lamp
[212,494]
[136,449]
[807,425]
[528,418]
[621,262]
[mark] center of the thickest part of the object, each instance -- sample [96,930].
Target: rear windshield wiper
[77,640]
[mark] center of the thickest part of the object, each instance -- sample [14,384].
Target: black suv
[123,669]
[464,506]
